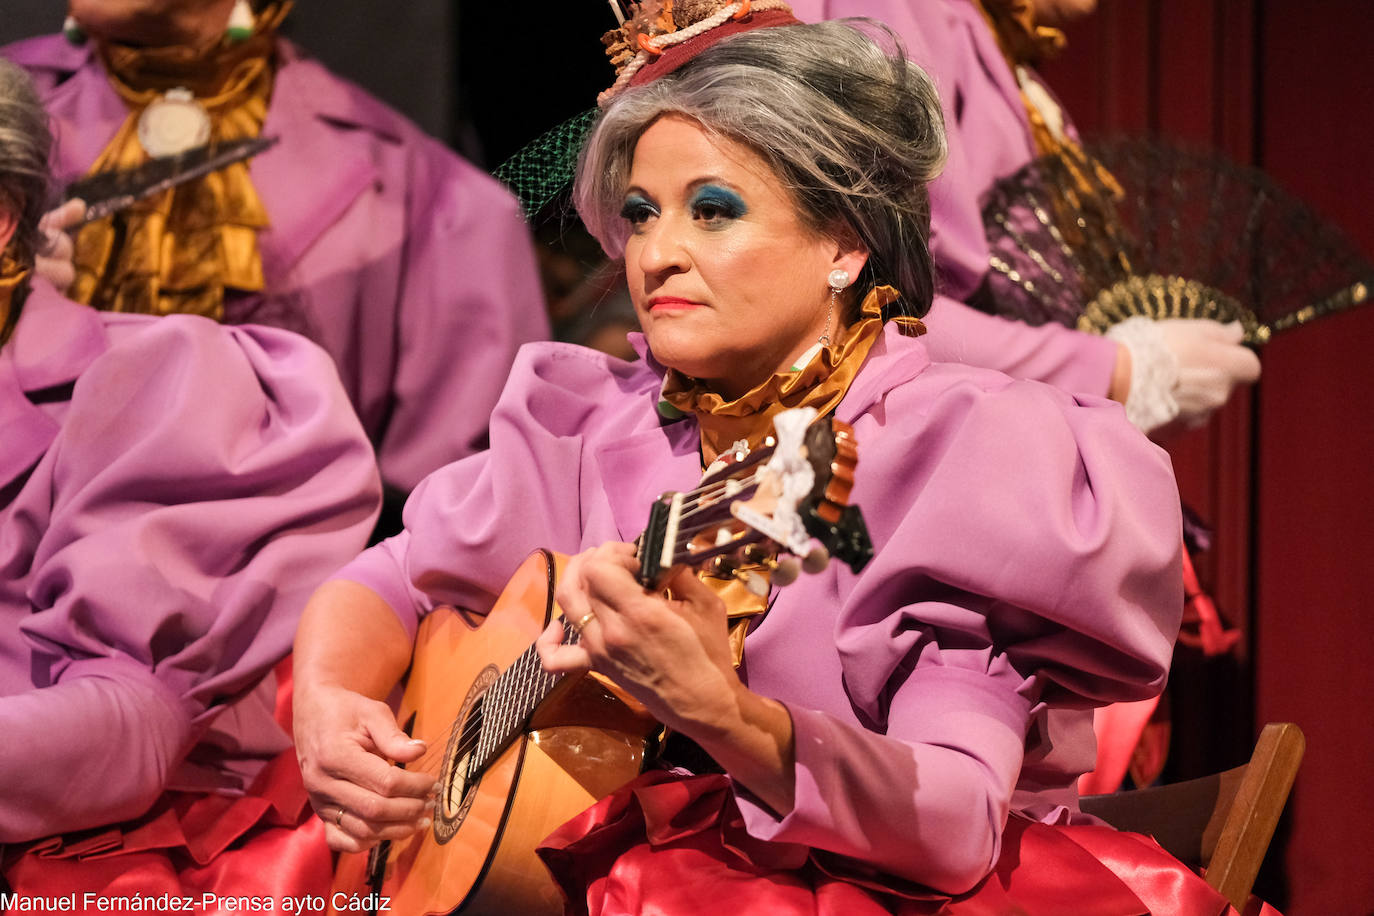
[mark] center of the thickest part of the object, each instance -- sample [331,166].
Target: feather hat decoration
[658,36]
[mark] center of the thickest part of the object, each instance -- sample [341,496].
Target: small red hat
[666,52]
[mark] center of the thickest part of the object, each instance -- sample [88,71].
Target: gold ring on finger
[338,819]
[584,620]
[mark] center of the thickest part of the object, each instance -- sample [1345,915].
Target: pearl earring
[838,280]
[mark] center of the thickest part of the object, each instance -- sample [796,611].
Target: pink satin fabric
[265,844]
[1119,728]
[670,844]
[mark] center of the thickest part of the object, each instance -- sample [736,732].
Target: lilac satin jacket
[411,267]
[1027,569]
[989,137]
[171,491]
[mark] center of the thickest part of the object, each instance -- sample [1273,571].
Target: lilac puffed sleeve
[470,298]
[469,524]
[203,482]
[1027,567]
[1052,353]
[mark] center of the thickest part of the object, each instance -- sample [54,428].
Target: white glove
[54,262]
[1182,368]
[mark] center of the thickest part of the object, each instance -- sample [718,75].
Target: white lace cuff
[1154,372]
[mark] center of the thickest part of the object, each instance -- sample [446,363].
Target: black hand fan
[1147,227]
[109,192]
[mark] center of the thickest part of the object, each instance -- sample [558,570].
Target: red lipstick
[666,303]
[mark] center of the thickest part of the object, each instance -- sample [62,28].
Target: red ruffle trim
[669,844]
[264,844]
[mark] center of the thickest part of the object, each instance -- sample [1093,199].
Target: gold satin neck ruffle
[178,251]
[13,281]
[821,384]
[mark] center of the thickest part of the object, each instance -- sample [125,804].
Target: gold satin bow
[821,383]
[12,279]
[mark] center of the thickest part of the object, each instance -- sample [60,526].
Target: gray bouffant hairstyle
[853,130]
[25,142]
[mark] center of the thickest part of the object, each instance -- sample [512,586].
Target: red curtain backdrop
[1286,474]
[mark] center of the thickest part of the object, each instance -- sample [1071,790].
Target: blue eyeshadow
[632,203]
[724,199]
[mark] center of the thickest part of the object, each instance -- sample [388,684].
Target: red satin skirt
[226,854]
[668,845]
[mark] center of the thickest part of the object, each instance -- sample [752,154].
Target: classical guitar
[516,751]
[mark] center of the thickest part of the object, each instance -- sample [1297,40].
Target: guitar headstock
[767,508]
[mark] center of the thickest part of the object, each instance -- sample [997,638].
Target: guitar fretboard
[511,700]
[695,528]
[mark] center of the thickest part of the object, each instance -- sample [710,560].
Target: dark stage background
[1283,474]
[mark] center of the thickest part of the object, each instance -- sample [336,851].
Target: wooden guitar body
[581,742]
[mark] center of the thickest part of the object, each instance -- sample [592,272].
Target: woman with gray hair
[170,492]
[876,737]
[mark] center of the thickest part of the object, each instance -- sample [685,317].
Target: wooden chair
[1222,822]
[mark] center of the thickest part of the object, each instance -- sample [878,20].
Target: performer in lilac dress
[412,268]
[895,739]
[1000,116]
[171,490]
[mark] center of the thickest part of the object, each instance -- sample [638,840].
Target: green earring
[240,22]
[72,30]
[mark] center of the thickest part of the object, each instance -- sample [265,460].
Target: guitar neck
[712,528]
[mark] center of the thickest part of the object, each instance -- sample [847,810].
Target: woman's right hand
[345,742]
[55,262]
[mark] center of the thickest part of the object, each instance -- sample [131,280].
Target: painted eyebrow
[693,186]
[699,183]
[721,190]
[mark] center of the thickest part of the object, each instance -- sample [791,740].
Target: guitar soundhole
[457,785]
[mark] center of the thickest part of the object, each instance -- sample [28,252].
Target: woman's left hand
[670,653]
[673,655]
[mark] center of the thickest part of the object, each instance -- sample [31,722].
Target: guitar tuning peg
[753,583]
[816,559]
[786,570]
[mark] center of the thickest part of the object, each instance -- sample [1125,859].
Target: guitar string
[693,504]
[474,724]
[680,544]
[436,754]
[507,726]
[470,738]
